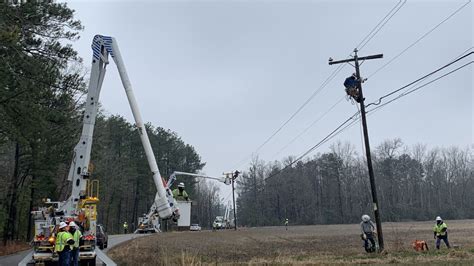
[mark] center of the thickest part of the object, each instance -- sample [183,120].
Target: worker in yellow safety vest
[180,194]
[440,232]
[76,234]
[64,241]
[125,227]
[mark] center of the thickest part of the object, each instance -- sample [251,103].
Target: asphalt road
[14,259]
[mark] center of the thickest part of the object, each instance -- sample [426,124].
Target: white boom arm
[147,219]
[224,179]
[102,47]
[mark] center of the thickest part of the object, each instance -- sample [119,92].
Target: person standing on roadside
[76,234]
[64,241]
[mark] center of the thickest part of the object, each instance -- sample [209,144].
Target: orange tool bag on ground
[419,245]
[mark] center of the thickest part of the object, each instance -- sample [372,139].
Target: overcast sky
[225,75]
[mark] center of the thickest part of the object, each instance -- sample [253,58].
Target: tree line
[42,88]
[413,183]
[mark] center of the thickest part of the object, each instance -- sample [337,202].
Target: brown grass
[304,245]
[13,247]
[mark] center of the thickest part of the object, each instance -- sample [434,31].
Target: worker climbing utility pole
[359,97]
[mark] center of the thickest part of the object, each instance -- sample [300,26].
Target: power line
[322,86]
[376,29]
[317,145]
[366,39]
[310,126]
[343,126]
[421,86]
[424,77]
[361,45]
[419,39]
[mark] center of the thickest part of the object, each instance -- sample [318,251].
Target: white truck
[150,222]
[81,206]
[218,223]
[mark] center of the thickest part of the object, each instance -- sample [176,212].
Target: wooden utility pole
[361,99]
[233,203]
[234,176]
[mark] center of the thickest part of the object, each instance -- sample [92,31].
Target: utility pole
[233,203]
[361,99]
[233,176]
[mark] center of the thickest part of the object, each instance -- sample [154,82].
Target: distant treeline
[414,183]
[42,87]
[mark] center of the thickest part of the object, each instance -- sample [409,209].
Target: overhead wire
[310,126]
[364,41]
[421,86]
[361,45]
[382,23]
[419,39]
[326,138]
[422,78]
[322,86]
[355,118]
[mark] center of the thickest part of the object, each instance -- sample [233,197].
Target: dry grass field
[316,244]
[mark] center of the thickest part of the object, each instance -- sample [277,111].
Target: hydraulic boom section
[149,222]
[102,47]
[81,206]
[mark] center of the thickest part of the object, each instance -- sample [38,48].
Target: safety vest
[61,241]
[125,225]
[438,229]
[179,196]
[77,236]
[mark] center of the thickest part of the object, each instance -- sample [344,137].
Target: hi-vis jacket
[61,241]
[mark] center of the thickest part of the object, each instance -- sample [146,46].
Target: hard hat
[438,218]
[72,223]
[181,185]
[62,225]
[365,218]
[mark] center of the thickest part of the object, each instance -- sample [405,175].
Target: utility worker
[125,227]
[352,86]
[368,231]
[76,234]
[286,224]
[180,194]
[440,232]
[64,241]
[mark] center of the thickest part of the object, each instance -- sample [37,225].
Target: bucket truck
[81,206]
[150,222]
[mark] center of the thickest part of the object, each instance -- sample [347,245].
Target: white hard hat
[62,225]
[365,218]
[438,218]
[181,184]
[73,224]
